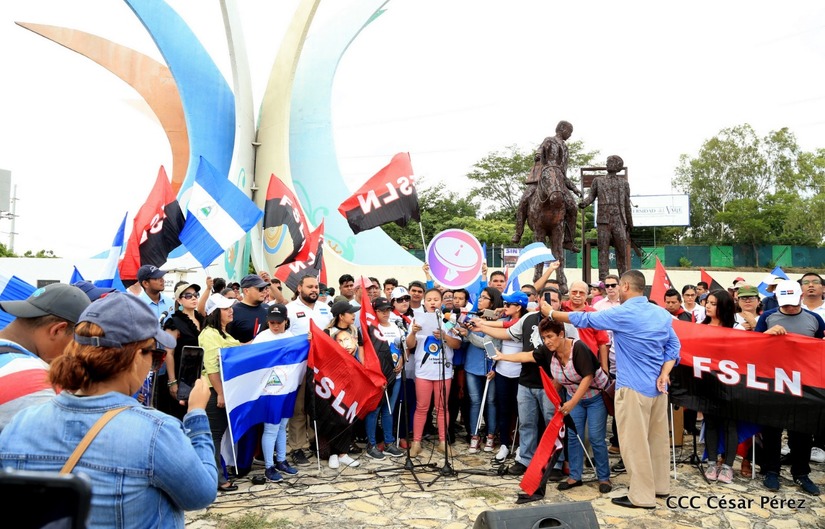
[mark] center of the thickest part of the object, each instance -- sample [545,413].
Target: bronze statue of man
[614,219]
[552,156]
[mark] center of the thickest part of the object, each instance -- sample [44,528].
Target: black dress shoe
[556,474]
[618,467]
[527,498]
[564,485]
[604,488]
[227,487]
[624,501]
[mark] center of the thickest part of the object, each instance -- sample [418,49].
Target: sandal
[227,487]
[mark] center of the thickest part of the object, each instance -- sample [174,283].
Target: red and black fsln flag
[389,196]
[308,262]
[155,232]
[283,209]
[750,376]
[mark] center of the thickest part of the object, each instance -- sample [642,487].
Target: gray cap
[57,299]
[124,319]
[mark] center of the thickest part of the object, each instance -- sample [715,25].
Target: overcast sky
[448,81]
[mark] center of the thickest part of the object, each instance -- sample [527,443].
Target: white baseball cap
[788,293]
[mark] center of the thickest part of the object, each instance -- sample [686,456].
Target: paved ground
[363,498]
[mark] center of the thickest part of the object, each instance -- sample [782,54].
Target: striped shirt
[24,380]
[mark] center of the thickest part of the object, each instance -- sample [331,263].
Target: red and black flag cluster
[712,283]
[309,261]
[155,232]
[389,196]
[283,209]
[661,284]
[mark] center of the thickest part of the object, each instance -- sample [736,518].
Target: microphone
[163,316]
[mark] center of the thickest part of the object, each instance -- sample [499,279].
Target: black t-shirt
[247,321]
[530,376]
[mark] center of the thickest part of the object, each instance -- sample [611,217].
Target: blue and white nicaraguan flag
[260,381]
[12,288]
[107,276]
[219,214]
[530,256]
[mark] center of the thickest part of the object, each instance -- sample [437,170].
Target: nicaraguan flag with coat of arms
[219,215]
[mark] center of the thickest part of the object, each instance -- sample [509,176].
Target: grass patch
[250,520]
[487,494]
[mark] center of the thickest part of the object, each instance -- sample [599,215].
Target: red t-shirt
[592,337]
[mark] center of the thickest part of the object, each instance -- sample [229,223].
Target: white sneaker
[502,453]
[785,449]
[333,461]
[817,455]
[347,460]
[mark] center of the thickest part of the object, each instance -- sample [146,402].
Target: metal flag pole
[423,242]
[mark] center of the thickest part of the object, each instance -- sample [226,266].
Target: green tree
[6,252]
[767,180]
[41,254]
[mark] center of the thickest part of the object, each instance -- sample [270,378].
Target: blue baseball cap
[516,298]
[124,318]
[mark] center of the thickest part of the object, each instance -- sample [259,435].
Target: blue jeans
[475,388]
[590,412]
[371,420]
[273,440]
[531,403]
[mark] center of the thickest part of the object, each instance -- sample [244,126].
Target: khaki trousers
[643,436]
[299,431]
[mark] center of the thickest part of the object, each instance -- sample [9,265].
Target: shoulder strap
[88,438]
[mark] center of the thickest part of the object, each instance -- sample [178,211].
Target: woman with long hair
[573,366]
[689,297]
[185,324]
[213,338]
[720,312]
[146,467]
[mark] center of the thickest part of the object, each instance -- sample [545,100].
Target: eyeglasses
[158,355]
[485,298]
[747,298]
[811,282]
[189,295]
[402,299]
[611,285]
[506,304]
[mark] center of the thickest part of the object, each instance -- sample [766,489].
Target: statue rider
[551,162]
[614,218]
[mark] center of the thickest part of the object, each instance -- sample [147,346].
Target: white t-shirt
[300,315]
[269,336]
[509,369]
[698,312]
[428,364]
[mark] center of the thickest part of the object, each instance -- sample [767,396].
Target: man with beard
[301,310]
[250,313]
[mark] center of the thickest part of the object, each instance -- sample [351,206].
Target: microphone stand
[408,462]
[447,469]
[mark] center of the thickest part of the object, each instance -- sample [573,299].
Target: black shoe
[618,467]
[624,501]
[604,488]
[564,485]
[527,498]
[517,469]
[354,450]
[663,495]
[300,459]
[556,475]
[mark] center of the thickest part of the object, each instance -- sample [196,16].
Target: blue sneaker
[273,475]
[806,484]
[771,481]
[284,467]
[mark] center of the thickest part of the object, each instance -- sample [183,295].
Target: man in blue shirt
[646,350]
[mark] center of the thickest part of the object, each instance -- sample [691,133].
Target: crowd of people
[473,378]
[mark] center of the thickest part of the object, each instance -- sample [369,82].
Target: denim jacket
[146,467]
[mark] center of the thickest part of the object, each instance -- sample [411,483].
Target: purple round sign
[455,258]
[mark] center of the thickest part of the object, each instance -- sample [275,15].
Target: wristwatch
[550,315]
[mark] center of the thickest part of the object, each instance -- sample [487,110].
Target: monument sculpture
[614,218]
[547,203]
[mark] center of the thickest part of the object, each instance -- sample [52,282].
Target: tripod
[408,462]
[693,459]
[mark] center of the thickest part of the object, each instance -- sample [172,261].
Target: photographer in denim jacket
[145,467]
